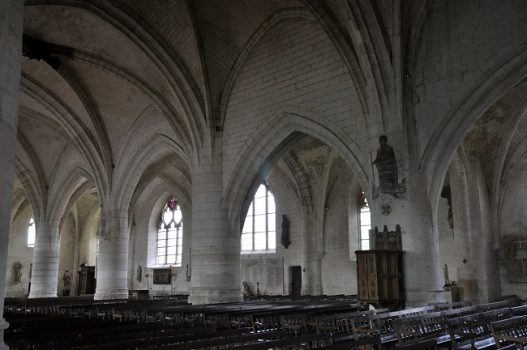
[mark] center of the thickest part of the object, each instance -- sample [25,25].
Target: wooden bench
[473,331]
[421,345]
[422,328]
[356,341]
[510,331]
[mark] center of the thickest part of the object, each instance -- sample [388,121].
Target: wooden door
[296,281]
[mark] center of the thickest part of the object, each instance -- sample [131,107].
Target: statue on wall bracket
[139,273]
[387,171]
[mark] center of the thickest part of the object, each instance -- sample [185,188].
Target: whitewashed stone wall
[461,42]
[294,65]
[513,222]
[68,240]
[447,242]
[19,251]
[339,269]
[143,249]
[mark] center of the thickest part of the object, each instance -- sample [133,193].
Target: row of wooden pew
[487,326]
[73,324]
[286,298]
[69,323]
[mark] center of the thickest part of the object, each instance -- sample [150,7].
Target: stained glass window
[170,234]
[364,223]
[259,228]
[31,232]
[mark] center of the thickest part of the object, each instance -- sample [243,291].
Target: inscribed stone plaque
[275,275]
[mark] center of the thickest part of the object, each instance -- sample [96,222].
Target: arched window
[364,223]
[31,231]
[170,234]
[259,228]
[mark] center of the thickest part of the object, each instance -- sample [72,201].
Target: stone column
[466,269]
[313,274]
[215,246]
[10,47]
[44,276]
[312,255]
[483,258]
[112,257]
[421,262]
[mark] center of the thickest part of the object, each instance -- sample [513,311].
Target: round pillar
[11,48]
[421,262]
[44,275]
[215,246]
[112,258]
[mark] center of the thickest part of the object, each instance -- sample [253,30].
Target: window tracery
[170,234]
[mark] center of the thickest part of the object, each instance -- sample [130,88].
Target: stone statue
[17,267]
[139,273]
[285,240]
[247,289]
[386,167]
[66,278]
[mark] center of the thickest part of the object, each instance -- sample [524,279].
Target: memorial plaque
[275,275]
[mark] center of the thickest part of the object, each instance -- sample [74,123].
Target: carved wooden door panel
[372,276]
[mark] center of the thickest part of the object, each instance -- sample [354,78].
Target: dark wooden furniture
[510,331]
[167,324]
[86,280]
[380,278]
[386,240]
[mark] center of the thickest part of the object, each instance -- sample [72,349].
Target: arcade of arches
[232,140]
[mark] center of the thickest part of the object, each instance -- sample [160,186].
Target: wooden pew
[473,331]
[141,323]
[356,342]
[510,331]
[384,324]
[422,328]
[422,345]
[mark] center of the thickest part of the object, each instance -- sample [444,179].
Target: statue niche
[387,170]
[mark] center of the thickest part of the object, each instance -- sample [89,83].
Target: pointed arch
[271,141]
[139,162]
[171,66]
[494,84]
